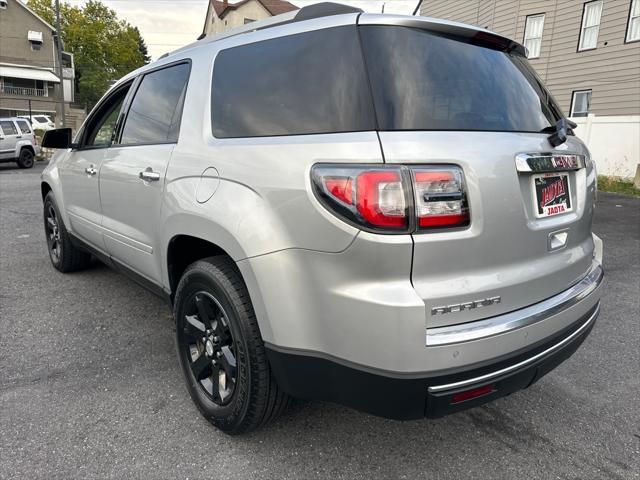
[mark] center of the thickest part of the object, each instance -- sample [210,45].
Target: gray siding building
[587,53]
[28,63]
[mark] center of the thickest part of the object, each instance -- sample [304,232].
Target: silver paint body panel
[318,284]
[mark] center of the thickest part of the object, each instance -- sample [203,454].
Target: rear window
[41,119]
[425,81]
[307,83]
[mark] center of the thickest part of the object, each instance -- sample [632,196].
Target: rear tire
[64,256]
[219,345]
[26,158]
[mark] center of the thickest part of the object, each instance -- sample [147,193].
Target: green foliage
[617,185]
[104,47]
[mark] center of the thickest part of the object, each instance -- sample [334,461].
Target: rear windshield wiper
[559,131]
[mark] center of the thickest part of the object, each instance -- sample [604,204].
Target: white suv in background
[40,122]
[17,142]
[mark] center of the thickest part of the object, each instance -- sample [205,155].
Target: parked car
[40,122]
[17,142]
[387,212]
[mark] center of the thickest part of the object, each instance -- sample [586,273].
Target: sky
[169,24]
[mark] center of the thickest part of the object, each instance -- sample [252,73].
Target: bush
[617,185]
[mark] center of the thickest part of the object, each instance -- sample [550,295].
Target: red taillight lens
[440,197]
[379,197]
[373,197]
[341,188]
[471,394]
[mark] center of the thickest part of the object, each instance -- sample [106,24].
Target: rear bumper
[401,398]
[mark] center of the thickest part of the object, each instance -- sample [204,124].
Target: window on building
[156,109]
[633,28]
[581,103]
[533,34]
[590,25]
[248,20]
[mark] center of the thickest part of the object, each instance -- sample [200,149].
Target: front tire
[221,350]
[64,256]
[26,158]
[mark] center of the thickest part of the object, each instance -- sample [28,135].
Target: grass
[617,185]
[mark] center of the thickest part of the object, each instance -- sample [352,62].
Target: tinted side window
[425,81]
[24,126]
[312,82]
[156,109]
[8,128]
[102,123]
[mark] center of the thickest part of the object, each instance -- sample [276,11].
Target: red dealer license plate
[552,194]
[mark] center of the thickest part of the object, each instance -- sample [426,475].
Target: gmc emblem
[459,307]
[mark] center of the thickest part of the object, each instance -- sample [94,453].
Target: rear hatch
[473,102]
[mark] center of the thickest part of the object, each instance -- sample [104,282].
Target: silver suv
[17,142]
[387,212]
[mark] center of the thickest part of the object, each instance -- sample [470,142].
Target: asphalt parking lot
[90,386]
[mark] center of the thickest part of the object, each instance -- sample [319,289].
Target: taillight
[394,199]
[373,197]
[440,197]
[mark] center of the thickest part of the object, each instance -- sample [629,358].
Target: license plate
[552,194]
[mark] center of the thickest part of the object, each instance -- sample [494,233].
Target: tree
[142,46]
[104,47]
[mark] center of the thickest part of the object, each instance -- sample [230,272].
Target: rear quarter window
[308,83]
[24,126]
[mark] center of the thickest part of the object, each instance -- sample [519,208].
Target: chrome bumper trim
[519,365]
[525,317]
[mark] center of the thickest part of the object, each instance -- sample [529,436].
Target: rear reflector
[471,394]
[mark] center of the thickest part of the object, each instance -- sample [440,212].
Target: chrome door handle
[149,175]
[91,170]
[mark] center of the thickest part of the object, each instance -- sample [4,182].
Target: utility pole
[59,42]
[383,7]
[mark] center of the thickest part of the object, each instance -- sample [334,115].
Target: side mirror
[58,138]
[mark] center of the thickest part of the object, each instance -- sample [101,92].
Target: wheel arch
[27,147]
[182,251]
[45,188]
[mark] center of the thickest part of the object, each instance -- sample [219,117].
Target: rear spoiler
[470,33]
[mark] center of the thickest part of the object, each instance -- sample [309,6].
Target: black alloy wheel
[25,160]
[207,342]
[52,230]
[220,348]
[64,255]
